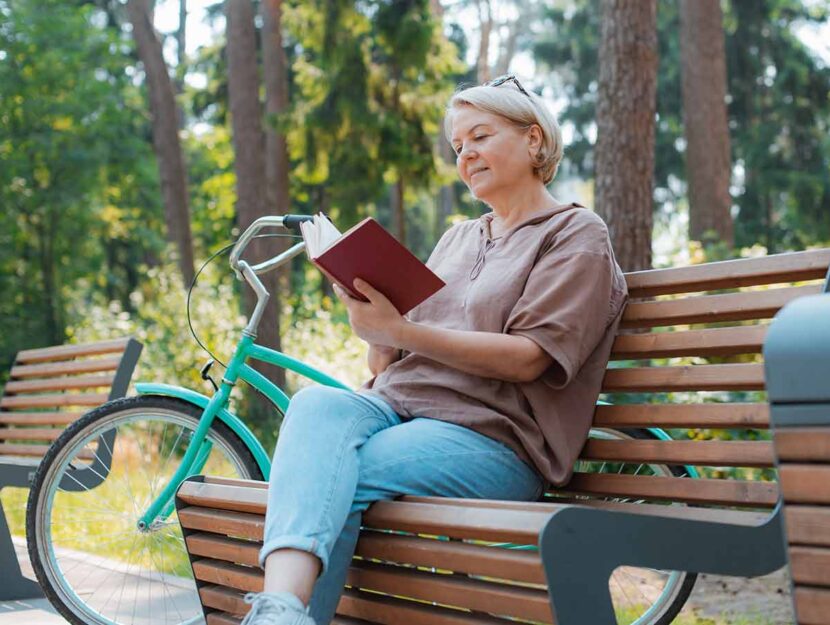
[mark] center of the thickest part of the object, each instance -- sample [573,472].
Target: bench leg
[581,547]
[14,585]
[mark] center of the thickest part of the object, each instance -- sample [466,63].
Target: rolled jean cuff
[300,543]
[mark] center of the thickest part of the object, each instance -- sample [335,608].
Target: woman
[485,390]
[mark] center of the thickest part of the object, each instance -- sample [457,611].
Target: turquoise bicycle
[103,536]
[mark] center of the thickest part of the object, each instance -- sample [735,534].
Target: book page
[318,234]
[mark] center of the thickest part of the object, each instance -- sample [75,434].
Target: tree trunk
[55,330]
[277,198]
[708,162]
[166,144]
[181,33]
[446,199]
[249,165]
[485,19]
[626,107]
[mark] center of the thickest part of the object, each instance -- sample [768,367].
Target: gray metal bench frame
[20,474]
[581,547]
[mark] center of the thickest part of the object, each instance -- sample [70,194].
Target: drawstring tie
[479,264]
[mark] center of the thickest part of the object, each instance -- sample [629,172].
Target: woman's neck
[526,201]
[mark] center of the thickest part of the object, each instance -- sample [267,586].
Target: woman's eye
[480,137]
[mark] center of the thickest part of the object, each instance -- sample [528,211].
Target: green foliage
[74,169]
[372,81]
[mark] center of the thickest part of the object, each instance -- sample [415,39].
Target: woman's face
[492,154]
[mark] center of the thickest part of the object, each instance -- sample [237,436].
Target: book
[369,252]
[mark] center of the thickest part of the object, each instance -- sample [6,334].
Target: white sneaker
[276,608]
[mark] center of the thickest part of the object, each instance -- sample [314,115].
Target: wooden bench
[689,335]
[49,388]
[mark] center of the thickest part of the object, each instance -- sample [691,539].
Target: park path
[40,611]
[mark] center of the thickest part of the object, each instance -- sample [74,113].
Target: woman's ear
[534,140]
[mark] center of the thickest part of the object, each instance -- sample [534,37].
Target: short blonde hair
[522,111]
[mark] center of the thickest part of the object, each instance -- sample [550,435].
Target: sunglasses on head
[498,82]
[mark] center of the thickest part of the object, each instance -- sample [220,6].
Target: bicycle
[103,537]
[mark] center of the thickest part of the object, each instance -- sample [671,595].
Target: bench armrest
[582,546]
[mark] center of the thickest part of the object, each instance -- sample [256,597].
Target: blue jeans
[340,451]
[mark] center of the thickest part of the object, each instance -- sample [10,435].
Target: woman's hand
[377,321]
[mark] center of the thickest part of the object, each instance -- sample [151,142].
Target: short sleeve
[565,308]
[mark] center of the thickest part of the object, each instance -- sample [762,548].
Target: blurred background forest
[137,138]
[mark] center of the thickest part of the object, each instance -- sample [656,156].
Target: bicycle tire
[54,482]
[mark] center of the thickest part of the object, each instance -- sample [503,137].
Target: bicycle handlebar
[291,222]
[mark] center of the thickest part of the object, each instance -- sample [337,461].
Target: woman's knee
[317,402]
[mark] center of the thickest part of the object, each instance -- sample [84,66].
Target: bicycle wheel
[91,559]
[643,596]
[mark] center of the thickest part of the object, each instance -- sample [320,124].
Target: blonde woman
[485,390]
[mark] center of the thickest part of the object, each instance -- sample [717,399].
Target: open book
[369,252]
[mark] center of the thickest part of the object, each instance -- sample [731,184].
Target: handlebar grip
[294,221]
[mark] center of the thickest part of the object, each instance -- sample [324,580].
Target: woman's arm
[506,357]
[486,354]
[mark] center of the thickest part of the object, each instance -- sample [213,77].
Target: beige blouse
[552,278]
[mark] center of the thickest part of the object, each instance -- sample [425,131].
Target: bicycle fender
[228,418]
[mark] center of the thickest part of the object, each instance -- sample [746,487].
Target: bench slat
[35,451]
[812,606]
[656,488]
[711,415]
[741,306]
[39,418]
[804,483]
[453,521]
[242,524]
[53,401]
[699,453]
[452,590]
[92,365]
[224,599]
[803,444]
[60,384]
[728,274]
[223,548]
[65,352]
[244,578]
[728,377]
[29,434]
[709,342]
[807,525]
[218,618]
[520,566]
[392,611]
[809,565]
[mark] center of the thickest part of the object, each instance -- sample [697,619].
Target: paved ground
[40,611]
[28,611]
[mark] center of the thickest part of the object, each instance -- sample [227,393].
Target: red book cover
[369,252]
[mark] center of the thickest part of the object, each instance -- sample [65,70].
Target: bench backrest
[688,336]
[50,387]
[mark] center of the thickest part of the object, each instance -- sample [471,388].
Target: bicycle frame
[199,448]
